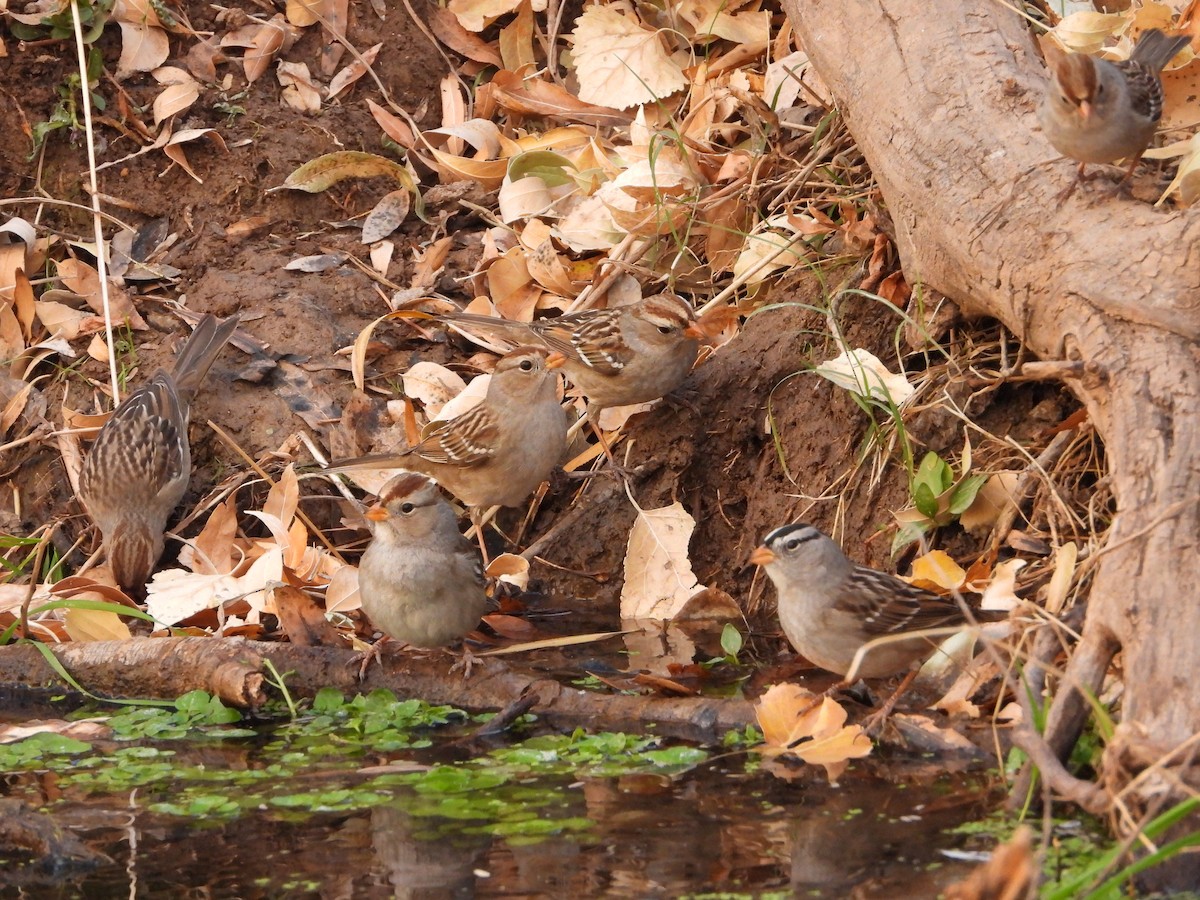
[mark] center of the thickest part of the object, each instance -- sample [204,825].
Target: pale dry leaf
[434,385]
[144,43]
[712,18]
[993,499]
[342,594]
[782,88]
[1088,31]
[1060,582]
[353,72]
[523,199]
[468,398]
[1001,592]
[586,224]
[774,245]
[861,372]
[95,625]
[619,63]
[381,256]
[175,98]
[174,147]
[284,496]
[300,92]
[476,15]
[658,573]
[510,569]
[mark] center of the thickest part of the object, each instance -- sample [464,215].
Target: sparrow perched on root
[1096,111]
[138,468]
[830,608]
[420,581]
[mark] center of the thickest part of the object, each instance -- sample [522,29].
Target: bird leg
[873,724]
[466,662]
[373,653]
[1081,177]
[477,523]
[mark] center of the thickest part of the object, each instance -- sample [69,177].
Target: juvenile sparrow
[420,581]
[616,357]
[1096,111]
[498,452]
[138,467]
[829,606]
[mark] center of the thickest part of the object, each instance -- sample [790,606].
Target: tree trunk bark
[941,96]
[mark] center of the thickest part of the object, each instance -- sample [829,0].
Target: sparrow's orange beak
[555,360]
[377,513]
[696,331]
[762,556]
[1085,110]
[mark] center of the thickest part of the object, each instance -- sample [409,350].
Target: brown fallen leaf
[809,726]
[303,619]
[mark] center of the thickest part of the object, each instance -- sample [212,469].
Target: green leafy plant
[66,112]
[938,497]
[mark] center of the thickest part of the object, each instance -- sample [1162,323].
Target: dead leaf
[353,72]
[95,625]
[620,63]
[861,373]
[936,571]
[388,215]
[809,726]
[302,618]
[658,574]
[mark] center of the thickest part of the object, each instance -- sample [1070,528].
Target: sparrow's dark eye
[526,365]
[406,508]
[665,329]
[1099,89]
[792,544]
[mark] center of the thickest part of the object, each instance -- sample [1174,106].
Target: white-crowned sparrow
[138,467]
[420,581]
[1096,111]
[616,357]
[830,606]
[498,452]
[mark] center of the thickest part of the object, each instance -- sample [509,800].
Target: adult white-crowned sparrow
[1096,111]
[138,467]
[420,581]
[829,606]
[498,452]
[620,356]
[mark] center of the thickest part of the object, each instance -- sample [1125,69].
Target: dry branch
[232,669]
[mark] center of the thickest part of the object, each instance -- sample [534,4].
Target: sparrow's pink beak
[555,360]
[1085,110]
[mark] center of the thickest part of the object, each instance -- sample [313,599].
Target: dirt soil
[735,478]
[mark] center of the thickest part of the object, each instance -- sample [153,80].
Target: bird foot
[466,662]
[375,652]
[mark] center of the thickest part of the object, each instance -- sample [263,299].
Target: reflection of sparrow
[616,357]
[1096,111]
[830,607]
[138,468]
[420,581]
[498,452]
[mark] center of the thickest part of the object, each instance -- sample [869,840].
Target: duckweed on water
[218,769]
